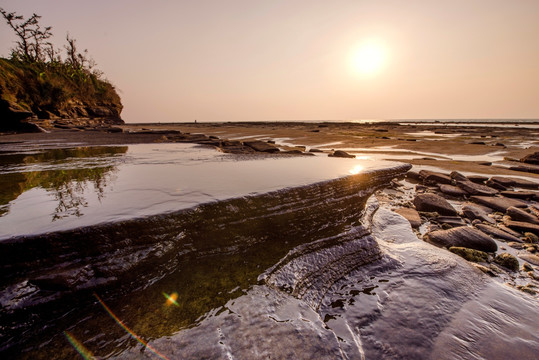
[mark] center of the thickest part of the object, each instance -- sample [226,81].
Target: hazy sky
[218,60]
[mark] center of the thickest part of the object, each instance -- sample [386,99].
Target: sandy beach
[452,148]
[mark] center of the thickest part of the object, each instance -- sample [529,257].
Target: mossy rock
[507,260]
[531,238]
[470,254]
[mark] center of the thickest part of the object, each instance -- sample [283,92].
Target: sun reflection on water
[356,170]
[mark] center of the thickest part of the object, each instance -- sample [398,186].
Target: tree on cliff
[33,45]
[32,37]
[37,83]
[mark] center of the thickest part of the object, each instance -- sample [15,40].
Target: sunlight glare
[369,58]
[356,170]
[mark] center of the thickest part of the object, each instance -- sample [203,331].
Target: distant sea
[526,123]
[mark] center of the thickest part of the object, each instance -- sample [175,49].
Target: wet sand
[461,148]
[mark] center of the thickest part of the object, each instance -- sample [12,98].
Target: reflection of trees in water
[69,187]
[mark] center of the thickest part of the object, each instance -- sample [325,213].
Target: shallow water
[59,189]
[292,262]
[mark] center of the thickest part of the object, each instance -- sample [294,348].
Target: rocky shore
[493,222]
[473,193]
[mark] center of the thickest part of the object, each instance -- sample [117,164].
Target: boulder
[261,146]
[452,190]
[469,254]
[411,215]
[463,236]
[315,150]
[498,203]
[497,233]
[531,158]
[473,212]
[433,203]
[507,260]
[476,189]
[521,215]
[523,226]
[434,177]
[341,154]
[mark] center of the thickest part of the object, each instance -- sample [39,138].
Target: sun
[369,58]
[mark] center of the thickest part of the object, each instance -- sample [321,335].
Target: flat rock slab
[476,189]
[452,190]
[498,203]
[433,203]
[478,179]
[527,195]
[473,212]
[531,258]
[521,215]
[523,226]
[512,181]
[261,146]
[411,215]
[434,177]
[497,233]
[463,236]
[526,168]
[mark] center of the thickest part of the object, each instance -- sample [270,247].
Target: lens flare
[135,336]
[171,299]
[81,349]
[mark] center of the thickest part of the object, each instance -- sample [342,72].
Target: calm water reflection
[61,189]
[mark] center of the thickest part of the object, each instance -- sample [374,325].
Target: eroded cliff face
[42,95]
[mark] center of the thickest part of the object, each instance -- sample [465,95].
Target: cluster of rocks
[466,214]
[75,115]
[239,147]
[100,124]
[232,146]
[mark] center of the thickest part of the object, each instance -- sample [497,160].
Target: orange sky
[297,59]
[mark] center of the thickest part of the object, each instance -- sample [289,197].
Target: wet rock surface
[498,203]
[497,233]
[349,294]
[411,215]
[463,237]
[53,275]
[521,215]
[475,212]
[433,203]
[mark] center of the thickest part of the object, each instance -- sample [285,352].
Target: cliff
[43,93]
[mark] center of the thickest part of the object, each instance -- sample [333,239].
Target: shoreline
[463,148]
[490,222]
